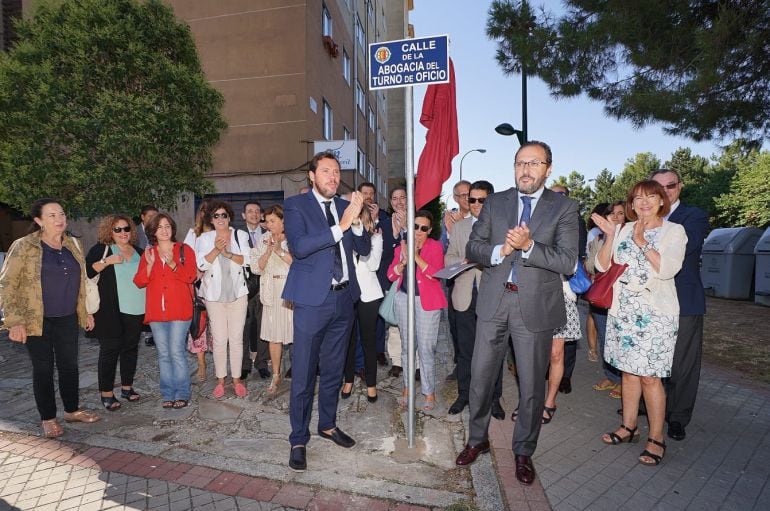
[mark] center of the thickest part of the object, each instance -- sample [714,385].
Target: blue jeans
[170,342]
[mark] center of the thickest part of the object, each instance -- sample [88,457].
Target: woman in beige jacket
[43,295]
[643,320]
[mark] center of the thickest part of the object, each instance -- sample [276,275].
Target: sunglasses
[423,228]
[224,216]
[116,230]
[474,200]
[671,186]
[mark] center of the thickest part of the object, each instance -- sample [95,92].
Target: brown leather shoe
[470,453]
[525,470]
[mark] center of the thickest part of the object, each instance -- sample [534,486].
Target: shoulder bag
[600,294]
[92,289]
[388,305]
[580,282]
[252,279]
[200,317]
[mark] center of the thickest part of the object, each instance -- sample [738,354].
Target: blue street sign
[409,62]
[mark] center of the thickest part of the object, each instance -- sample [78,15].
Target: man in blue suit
[682,386]
[322,231]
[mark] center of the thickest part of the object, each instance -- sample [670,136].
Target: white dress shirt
[496,257]
[337,232]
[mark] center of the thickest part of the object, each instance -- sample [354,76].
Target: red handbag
[600,293]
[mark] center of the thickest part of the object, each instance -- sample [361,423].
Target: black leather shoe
[382,359]
[345,395]
[264,373]
[525,470]
[471,452]
[458,406]
[298,458]
[149,341]
[338,437]
[395,371]
[565,387]
[417,375]
[497,410]
[676,431]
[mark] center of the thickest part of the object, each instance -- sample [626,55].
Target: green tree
[636,169]
[699,67]
[575,182]
[103,103]
[740,194]
[701,180]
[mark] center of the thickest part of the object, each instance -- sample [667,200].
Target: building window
[346,65]
[326,26]
[345,133]
[360,36]
[328,121]
[371,119]
[370,174]
[361,162]
[370,11]
[360,99]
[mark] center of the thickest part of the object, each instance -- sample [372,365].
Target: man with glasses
[464,292]
[525,238]
[148,213]
[682,386]
[460,193]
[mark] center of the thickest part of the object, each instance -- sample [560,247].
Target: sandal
[616,393]
[52,428]
[274,382]
[616,439]
[110,403]
[167,404]
[593,356]
[605,384]
[429,404]
[403,401]
[656,458]
[219,391]
[179,403]
[81,416]
[549,412]
[240,389]
[130,394]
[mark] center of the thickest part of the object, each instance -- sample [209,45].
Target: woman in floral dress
[643,320]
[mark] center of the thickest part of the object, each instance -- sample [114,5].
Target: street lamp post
[466,154]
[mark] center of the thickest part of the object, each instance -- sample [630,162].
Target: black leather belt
[337,287]
[510,287]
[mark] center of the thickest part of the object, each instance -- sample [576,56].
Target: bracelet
[646,248]
[103,261]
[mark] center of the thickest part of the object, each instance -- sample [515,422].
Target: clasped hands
[516,239]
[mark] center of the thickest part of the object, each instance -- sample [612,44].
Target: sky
[581,135]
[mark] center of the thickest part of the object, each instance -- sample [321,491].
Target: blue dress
[640,339]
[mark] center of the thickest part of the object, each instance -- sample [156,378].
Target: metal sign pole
[409,153]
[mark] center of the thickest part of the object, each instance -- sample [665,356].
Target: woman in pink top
[429,300]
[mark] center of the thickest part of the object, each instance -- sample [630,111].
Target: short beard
[323,194]
[532,188]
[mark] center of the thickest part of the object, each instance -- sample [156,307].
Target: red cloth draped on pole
[442,143]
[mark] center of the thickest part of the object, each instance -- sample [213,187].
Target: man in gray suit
[525,238]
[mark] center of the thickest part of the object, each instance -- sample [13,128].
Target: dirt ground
[737,336]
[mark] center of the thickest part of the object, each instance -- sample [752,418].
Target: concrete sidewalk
[233,453]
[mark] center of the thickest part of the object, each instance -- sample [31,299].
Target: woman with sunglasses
[118,322]
[429,299]
[43,296]
[222,254]
[202,344]
[167,270]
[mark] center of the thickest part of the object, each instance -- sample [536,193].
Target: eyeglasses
[525,164]
[671,186]
[224,216]
[462,195]
[474,200]
[423,228]
[116,230]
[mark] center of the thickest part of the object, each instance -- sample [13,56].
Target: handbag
[388,305]
[92,289]
[580,282]
[600,294]
[200,316]
[252,279]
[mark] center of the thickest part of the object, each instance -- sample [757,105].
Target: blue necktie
[526,213]
[337,253]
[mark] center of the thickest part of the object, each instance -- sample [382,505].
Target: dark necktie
[337,253]
[526,213]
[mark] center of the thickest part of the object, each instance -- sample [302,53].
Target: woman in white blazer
[643,321]
[367,310]
[222,253]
